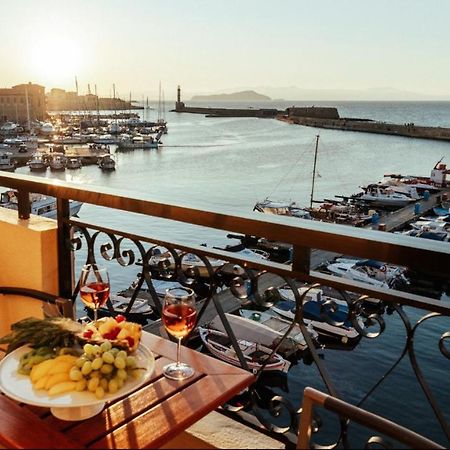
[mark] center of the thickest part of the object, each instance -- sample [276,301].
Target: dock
[401,217]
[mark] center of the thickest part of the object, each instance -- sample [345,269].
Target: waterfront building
[61,100]
[21,102]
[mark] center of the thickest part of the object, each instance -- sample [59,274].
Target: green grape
[122,374]
[120,382]
[88,349]
[87,368]
[122,354]
[97,350]
[95,374]
[106,346]
[114,351]
[113,385]
[97,363]
[106,368]
[120,363]
[93,384]
[104,384]
[80,361]
[131,362]
[108,357]
[75,374]
[99,392]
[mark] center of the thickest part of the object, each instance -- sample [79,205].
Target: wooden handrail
[422,254]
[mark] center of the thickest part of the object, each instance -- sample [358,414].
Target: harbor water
[227,164]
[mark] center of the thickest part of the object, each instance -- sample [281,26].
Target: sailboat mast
[314,171]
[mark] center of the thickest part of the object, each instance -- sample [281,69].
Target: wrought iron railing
[256,284]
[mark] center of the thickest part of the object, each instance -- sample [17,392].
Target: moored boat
[41,205]
[314,309]
[73,163]
[37,163]
[6,163]
[106,162]
[219,344]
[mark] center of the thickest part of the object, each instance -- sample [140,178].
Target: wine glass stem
[179,352]
[95,314]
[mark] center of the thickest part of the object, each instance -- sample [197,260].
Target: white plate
[71,405]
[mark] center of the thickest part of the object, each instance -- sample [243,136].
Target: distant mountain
[243,96]
[369,94]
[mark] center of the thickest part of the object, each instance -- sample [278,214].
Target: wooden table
[148,417]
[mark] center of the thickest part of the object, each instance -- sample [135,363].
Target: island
[243,96]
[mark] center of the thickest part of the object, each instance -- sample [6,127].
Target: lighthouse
[179,105]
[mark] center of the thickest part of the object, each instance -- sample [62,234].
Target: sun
[55,60]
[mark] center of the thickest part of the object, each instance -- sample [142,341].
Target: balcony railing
[256,284]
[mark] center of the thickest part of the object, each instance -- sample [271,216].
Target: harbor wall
[369,126]
[227,112]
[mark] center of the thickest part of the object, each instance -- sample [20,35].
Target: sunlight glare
[55,60]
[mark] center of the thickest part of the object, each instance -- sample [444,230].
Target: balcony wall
[28,259]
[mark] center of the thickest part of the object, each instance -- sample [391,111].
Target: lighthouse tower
[179,105]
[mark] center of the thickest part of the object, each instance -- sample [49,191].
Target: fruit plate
[71,405]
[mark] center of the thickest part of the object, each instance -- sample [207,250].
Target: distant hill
[243,96]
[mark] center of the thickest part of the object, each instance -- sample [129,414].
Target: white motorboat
[73,163]
[367,271]
[58,161]
[6,164]
[219,344]
[278,327]
[37,163]
[47,128]
[281,208]
[386,196]
[106,162]
[41,205]
[105,139]
[9,127]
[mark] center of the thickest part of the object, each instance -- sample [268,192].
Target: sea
[227,164]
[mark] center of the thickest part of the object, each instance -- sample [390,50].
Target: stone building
[61,100]
[13,103]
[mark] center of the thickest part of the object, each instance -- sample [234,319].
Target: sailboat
[289,208]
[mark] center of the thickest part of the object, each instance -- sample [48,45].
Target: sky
[213,46]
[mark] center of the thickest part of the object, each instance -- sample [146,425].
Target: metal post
[65,259]
[23,204]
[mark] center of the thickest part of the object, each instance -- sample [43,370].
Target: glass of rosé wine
[179,317]
[94,287]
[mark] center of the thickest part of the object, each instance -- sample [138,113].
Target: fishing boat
[6,164]
[58,162]
[313,306]
[106,162]
[37,163]
[41,205]
[219,344]
[73,163]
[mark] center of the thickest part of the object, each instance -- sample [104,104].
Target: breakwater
[323,117]
[266,113]
[370,126]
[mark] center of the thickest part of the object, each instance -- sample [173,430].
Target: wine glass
[179,317]
[94,286]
